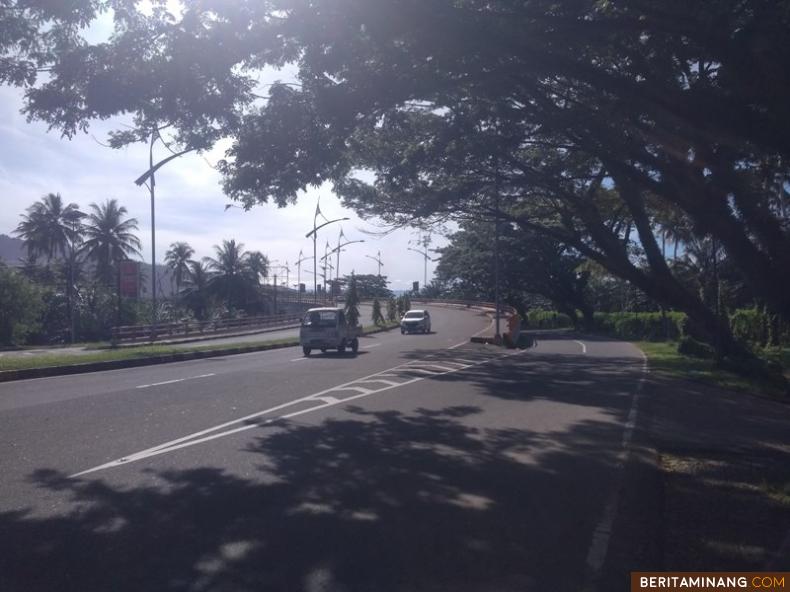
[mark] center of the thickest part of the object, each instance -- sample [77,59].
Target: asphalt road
[423,463]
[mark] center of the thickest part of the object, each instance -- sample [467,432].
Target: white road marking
[491,324]
[371,346]
[214,432]
[299,359]
[602,534]
[145,386]
[584,347]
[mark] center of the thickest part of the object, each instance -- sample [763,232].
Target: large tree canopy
[589,119]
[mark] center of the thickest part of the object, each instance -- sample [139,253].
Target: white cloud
[189,200]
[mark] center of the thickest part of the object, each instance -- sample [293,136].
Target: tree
[370,286]
[20,307]
[178,257]
[232,278]
[625,102]
[109,239]
[49,228]
[377,317]
[352,303]
[197,290]
[530,264]
[258,264]
[392,310]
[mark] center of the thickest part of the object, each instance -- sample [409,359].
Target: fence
[197,329]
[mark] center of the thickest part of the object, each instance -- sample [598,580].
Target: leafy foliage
[352,303]
[20,307]
[109,239]
[377,317]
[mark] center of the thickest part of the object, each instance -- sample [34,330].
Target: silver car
[416,320]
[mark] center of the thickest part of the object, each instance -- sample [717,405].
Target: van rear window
[326,318]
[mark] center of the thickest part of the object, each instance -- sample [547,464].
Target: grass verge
[147,352]
[665,360]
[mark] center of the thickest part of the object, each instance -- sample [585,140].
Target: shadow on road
[375,501]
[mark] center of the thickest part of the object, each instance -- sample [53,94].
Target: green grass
[665,360]
[142,352]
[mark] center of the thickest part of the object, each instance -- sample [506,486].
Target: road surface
[424,463]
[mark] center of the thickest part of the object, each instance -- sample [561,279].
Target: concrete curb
[28,373]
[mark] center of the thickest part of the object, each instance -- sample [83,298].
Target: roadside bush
[392,310]
[548,319]
[640,326]
[378,318]
[688,346]
[21,306]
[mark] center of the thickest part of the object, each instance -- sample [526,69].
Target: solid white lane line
[584,347]
[599,547]
[210,433]
[145,386]
[458,345]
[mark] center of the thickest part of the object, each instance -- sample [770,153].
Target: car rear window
[326,318]
[414,315]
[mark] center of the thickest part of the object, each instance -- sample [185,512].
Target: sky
[190,204]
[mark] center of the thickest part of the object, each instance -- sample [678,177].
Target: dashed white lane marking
[401,373]
[371,346]
[299,359]
[145,386]
[584,347]
[602,534]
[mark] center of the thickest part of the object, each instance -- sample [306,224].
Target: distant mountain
[11,249]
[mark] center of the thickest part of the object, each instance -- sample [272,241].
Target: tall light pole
[377,259]
[337,250]
[424,241]
[275,282]
[314,234]
[151,185]
[299,272]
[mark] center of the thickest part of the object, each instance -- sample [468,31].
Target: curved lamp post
[314,234]
[337,250]
[299,273]
[377,259]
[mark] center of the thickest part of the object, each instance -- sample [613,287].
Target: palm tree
[110,239]
[178,258]
[49,228]
[197,289]
[258,264]
[232,274]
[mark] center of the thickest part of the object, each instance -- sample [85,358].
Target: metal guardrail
[166,331]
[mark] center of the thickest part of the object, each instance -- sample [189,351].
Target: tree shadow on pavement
[377,501]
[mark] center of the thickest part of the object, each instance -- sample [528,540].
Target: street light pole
[299,273]
[337,250]
[377,259]
[314,233]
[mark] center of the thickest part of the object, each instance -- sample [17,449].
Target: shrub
[21,306]
[548,319]
[689,346]
[749,325]
[640,326]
